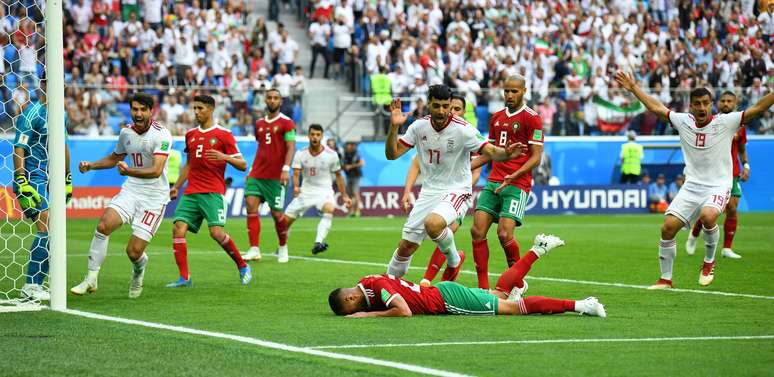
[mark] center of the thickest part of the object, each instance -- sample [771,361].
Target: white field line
[539,278]
[549,341]
[268,344]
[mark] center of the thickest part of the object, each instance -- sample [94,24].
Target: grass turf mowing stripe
[558,280]
[549,341]
[268,344]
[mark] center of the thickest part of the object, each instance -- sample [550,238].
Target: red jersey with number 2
[205,176]
[380,290]
[271,135]
[524,126]
[739,139]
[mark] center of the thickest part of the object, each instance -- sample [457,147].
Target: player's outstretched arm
[760,107]
[479,161]
[398,308]
[155,171]
[626,80]
[411,179]
[393,149]
[343,189]
[109,162]
[536,152]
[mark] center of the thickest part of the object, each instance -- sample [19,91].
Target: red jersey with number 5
[524,126]
[739,139]
[271,135]
[205,176]
[380,290]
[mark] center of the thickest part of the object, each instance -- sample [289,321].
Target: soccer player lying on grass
[389,296]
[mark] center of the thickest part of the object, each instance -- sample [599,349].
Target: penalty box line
[468,272]
[268,344]
[550,341]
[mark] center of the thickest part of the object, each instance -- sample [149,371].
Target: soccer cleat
[707,274]
[450,274]
[180,283]
[88,285]
[135,285]
[319,247]
[35,292]
[425,283]
[254,253]
[690,244]
[517,293]
[728,253]
[661,284]
[591,306]
[545,243]
[282,254]
[245,275]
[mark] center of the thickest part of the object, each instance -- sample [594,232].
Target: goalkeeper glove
[27,196]
[68,188]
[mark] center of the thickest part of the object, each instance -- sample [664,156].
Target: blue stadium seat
[297,114]
[125,109]
[115,123]
[482,114]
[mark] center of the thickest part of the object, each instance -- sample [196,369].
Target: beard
[272,109]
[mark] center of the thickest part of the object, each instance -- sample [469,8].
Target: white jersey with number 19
[444,156]
[707,149]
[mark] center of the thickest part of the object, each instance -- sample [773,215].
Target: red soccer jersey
[739,139]
[206,176]
[524,126]
[380,290]
[271,136]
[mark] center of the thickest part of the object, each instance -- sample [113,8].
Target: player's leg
[511,282]
[297,207]
[135,250]
[444,212]
[684,210]
[729,226]
[693,236]
[323,227]
[37,268]
[710,211]
[112,218]
[547,305]
[513,205]
[253,202]
[149,211]
[224,240]
[437,259]
[413,235]
[188,216]
[401,258]
[487,211]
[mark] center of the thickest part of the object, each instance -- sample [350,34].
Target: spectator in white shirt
[82,16]
[320,33]
[342,42]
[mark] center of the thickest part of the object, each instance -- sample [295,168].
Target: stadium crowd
[567,50]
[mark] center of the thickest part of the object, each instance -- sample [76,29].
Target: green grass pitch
[288,304]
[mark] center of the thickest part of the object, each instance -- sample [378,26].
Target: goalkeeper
[30,162]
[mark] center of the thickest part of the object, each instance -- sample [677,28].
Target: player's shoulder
[530,112]
[499,113]
[329,152]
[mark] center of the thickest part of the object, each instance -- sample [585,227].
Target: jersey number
[719,200]
[199,149]
[148,218]
[268,138]
[436,153]
[503,138]
[137,159]
[701,140]
[312,172]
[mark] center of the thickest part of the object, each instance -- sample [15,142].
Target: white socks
[446,244]
[323,227]
[139,264]
[711,237]
[667,251]
[398,265]
[98,251]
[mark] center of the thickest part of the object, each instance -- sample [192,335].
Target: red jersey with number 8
[380,290]
[205,176]
[271,135]
[524,126]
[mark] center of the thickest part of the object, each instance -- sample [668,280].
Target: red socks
[228,245]
[729,230]
[434,266]
[281,225]
[514,276]
[181,256]
[481,258]
[545,305]
[253,228]
[511,249]
[696,229]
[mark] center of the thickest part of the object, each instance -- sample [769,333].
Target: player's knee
[477,232]
[217,233]
[179,229]
[668,231]
[434,225]
[103,227]
[731,209]
[504,235]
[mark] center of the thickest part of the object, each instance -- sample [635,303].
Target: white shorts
[303,202]
[143,211]
[449,205]
[692,197]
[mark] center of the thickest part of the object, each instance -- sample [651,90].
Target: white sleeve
[296,164]
[120,148]
[679,121]
[336,163]
[732,121]
[409,139]
[473,140]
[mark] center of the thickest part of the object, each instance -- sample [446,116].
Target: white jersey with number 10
[140,150]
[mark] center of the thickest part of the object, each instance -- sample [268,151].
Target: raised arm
[759,108]
[393,149]
[653,105]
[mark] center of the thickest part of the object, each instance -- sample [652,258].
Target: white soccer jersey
[707,149]
[317,170]
[140,149]
[444,156]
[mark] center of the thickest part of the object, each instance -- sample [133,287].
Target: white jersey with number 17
[707,149]
[444,156]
